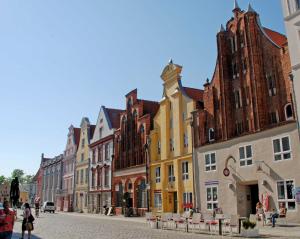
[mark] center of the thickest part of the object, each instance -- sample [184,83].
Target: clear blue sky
[62,59]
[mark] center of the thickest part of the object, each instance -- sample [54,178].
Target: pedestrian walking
[7,220]
[27,224]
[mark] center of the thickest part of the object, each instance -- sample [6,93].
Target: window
[81,176]
[233,44]
[234,70]
[242,39]
[185,170]
[82,157]
[86,175]
[157,175]
[273,117]
[100,154]
[210,162]
[211,197]
[171,176]
[171,145]
[187,201]
[93,156]
[158,147]
[285,194]
[106,149]
[297,4]
[157,201]
[183,116]
[245,155]
[282,149]
[82,142]
[271,84]
[239,128]
[93,179]
[237,99]
[106,177]
[288,112]
[77,176]
[100,132]
[185,140]
[211,134]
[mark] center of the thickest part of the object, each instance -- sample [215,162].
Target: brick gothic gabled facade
[130,159]
[246,144]
[250,89]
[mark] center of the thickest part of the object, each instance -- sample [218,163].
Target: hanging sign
[226,172]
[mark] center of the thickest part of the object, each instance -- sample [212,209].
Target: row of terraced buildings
[229,145]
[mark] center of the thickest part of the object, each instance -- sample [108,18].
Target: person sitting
[274,215]
[282,210]
[259,211]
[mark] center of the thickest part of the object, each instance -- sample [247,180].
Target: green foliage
[248,224]
[2,179]
[18,173]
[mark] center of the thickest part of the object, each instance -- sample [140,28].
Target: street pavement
[86,226]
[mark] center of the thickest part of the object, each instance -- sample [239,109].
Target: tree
[2,179]
[28,178]
[18,173]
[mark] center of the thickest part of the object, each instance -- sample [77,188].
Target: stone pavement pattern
[73,225]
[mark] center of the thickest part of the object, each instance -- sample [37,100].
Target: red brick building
[130,159]
[250,89]
[245,136]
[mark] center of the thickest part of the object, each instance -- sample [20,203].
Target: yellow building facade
[82,171]
[171,166]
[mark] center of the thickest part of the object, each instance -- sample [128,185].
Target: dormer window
[288,110]
[211,135]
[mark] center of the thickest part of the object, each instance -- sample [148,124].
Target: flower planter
[250,233]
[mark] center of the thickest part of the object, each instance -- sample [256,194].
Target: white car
[48,207]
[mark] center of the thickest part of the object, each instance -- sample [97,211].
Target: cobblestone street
[85,226]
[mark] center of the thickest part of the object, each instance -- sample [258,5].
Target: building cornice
[294,15]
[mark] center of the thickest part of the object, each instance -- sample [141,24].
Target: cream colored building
[82,169]
[256,172]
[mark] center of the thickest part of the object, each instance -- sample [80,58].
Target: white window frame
[212,202]
[246,159]
[282,152]
[209,136]
[158,200]
[285,200]
[157,174]
[185,170]
[210,165]
[171,177]
[285,114]
[187,198]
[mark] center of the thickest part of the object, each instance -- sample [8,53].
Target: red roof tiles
[114,117]
[194,94]
[276,37]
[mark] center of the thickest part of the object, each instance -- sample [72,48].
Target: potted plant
[250,229]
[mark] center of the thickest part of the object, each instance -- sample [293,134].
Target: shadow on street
[17,235]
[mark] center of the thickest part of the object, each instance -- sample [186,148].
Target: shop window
[157,201]
[187,201]
[211,197]
[286,198]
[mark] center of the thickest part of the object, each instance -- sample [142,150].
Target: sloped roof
[195,94]
[276,37]
[150,107]
[114,117]
[77,135]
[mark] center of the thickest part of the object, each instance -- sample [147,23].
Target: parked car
[48,207]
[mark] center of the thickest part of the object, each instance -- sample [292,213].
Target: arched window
[288,110]
[211,134]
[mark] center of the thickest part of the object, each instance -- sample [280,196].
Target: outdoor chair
[150,218]
[178,220]
[267,218]
[166,219]
[209,222]
[196,220]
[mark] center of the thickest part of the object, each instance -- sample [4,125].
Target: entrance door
[254,197]
[175,202]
